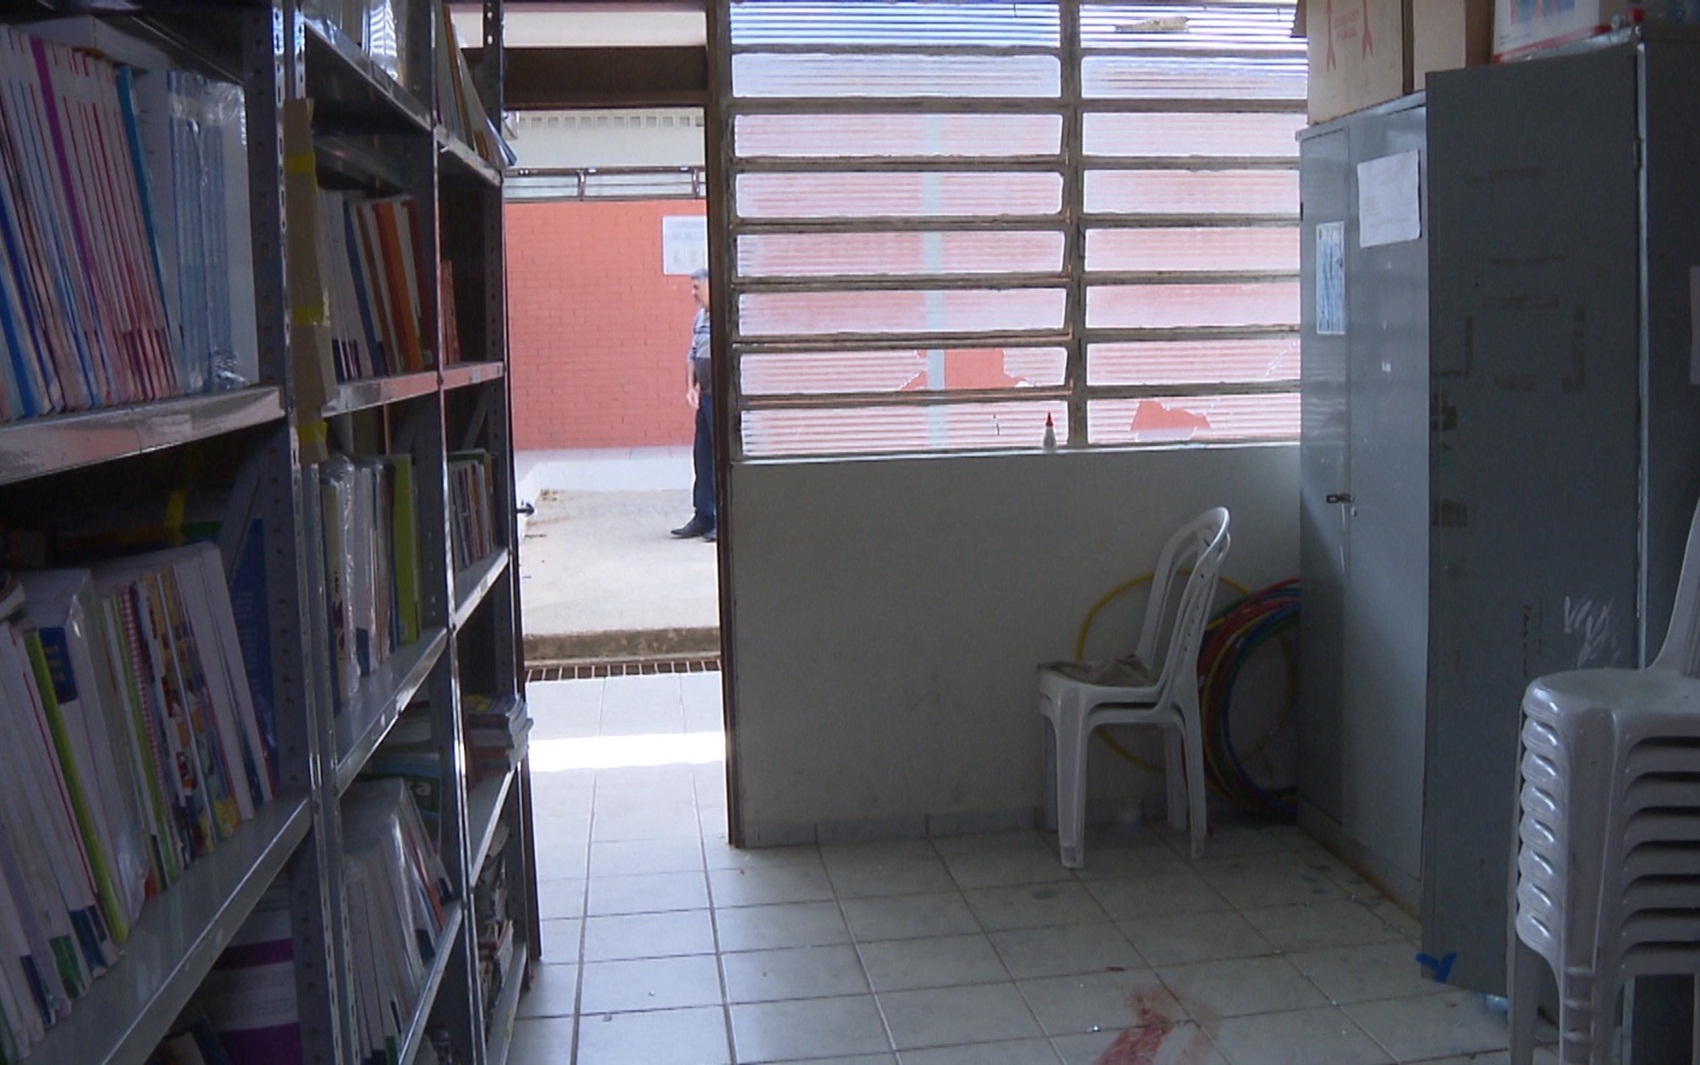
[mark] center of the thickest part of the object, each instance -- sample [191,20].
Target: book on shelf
[471,523]
[410,753]
[379,28]
[190,136]
[132,748]
[446,313]
[398,896]
[367,255]
[81,302]
[371,551]
[249,997]
[495,920]
[460,107]
[496,736]
[125,244]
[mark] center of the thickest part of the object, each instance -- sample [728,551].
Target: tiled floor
[663,945]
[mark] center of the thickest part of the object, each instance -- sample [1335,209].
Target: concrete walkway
[600,578]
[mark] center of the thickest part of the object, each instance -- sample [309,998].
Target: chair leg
[1524,994]
[1174,777]
[1069,722]
[1197,790]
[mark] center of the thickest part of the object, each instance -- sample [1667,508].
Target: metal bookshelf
[380,133]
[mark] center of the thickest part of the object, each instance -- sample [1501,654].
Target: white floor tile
[1310,926]
[650,984]
[648,935]
[1261,880]
[1016,1052]
[1455,1022]
[661,1037]
[1195,937]
[553,991]
[987,1013]
[1242,986]
[938,961]
[1301,1037]
[544,1041]
[794,972]
[807,1028]
[1093,1002]
[758,886]
[557,899]
[791,924]
[1180,1044]
[561,938]
[1033,906]
[909,916]
[1366,973]
[674,822]
[1066,950]
[1031,864]
[647,893]
[1166,894]
[860,879]
[636,857]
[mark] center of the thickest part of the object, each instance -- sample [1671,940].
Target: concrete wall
[597,333]
[887,618]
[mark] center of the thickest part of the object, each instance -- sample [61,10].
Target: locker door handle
[1338,497]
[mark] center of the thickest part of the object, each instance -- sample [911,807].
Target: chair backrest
[1169,637]
[1681,650]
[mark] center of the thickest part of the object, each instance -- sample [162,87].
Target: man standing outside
[699,393]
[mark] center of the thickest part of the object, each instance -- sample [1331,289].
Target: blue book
[253,632]
[376,356]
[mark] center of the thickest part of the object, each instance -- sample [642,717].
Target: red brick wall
[597,333]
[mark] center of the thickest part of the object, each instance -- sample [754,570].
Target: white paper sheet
[1389,203]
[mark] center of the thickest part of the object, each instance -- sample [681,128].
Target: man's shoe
[710,535]
[693,528]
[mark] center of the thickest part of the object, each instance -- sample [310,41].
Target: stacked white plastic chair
[1608,844]
[1156,685]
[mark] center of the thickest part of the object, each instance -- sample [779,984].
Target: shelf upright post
[271,57]
[510,642]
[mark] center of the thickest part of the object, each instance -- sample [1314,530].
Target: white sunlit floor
[663,945]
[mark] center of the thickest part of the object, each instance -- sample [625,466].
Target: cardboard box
[1449,35]
[1524,26]
[1366,52]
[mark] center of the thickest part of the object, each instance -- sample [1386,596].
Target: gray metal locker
[1565,438]
[1363,489]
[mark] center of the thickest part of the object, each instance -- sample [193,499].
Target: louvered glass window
[947,220]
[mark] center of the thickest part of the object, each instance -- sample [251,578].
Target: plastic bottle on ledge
[1050,434]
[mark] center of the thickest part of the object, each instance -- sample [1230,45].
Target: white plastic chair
[1606,882]
[1156,685]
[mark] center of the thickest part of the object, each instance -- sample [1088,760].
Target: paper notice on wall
[1331,279]
[1694,325]
[684,244]
[1389,201]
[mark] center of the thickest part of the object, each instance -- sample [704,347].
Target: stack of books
[496,925]
[471,523]
[496,736]
[371,551]
[371,251]
[131,748]
[398,898]
[460,110]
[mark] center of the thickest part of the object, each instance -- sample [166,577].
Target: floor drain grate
[637,667]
